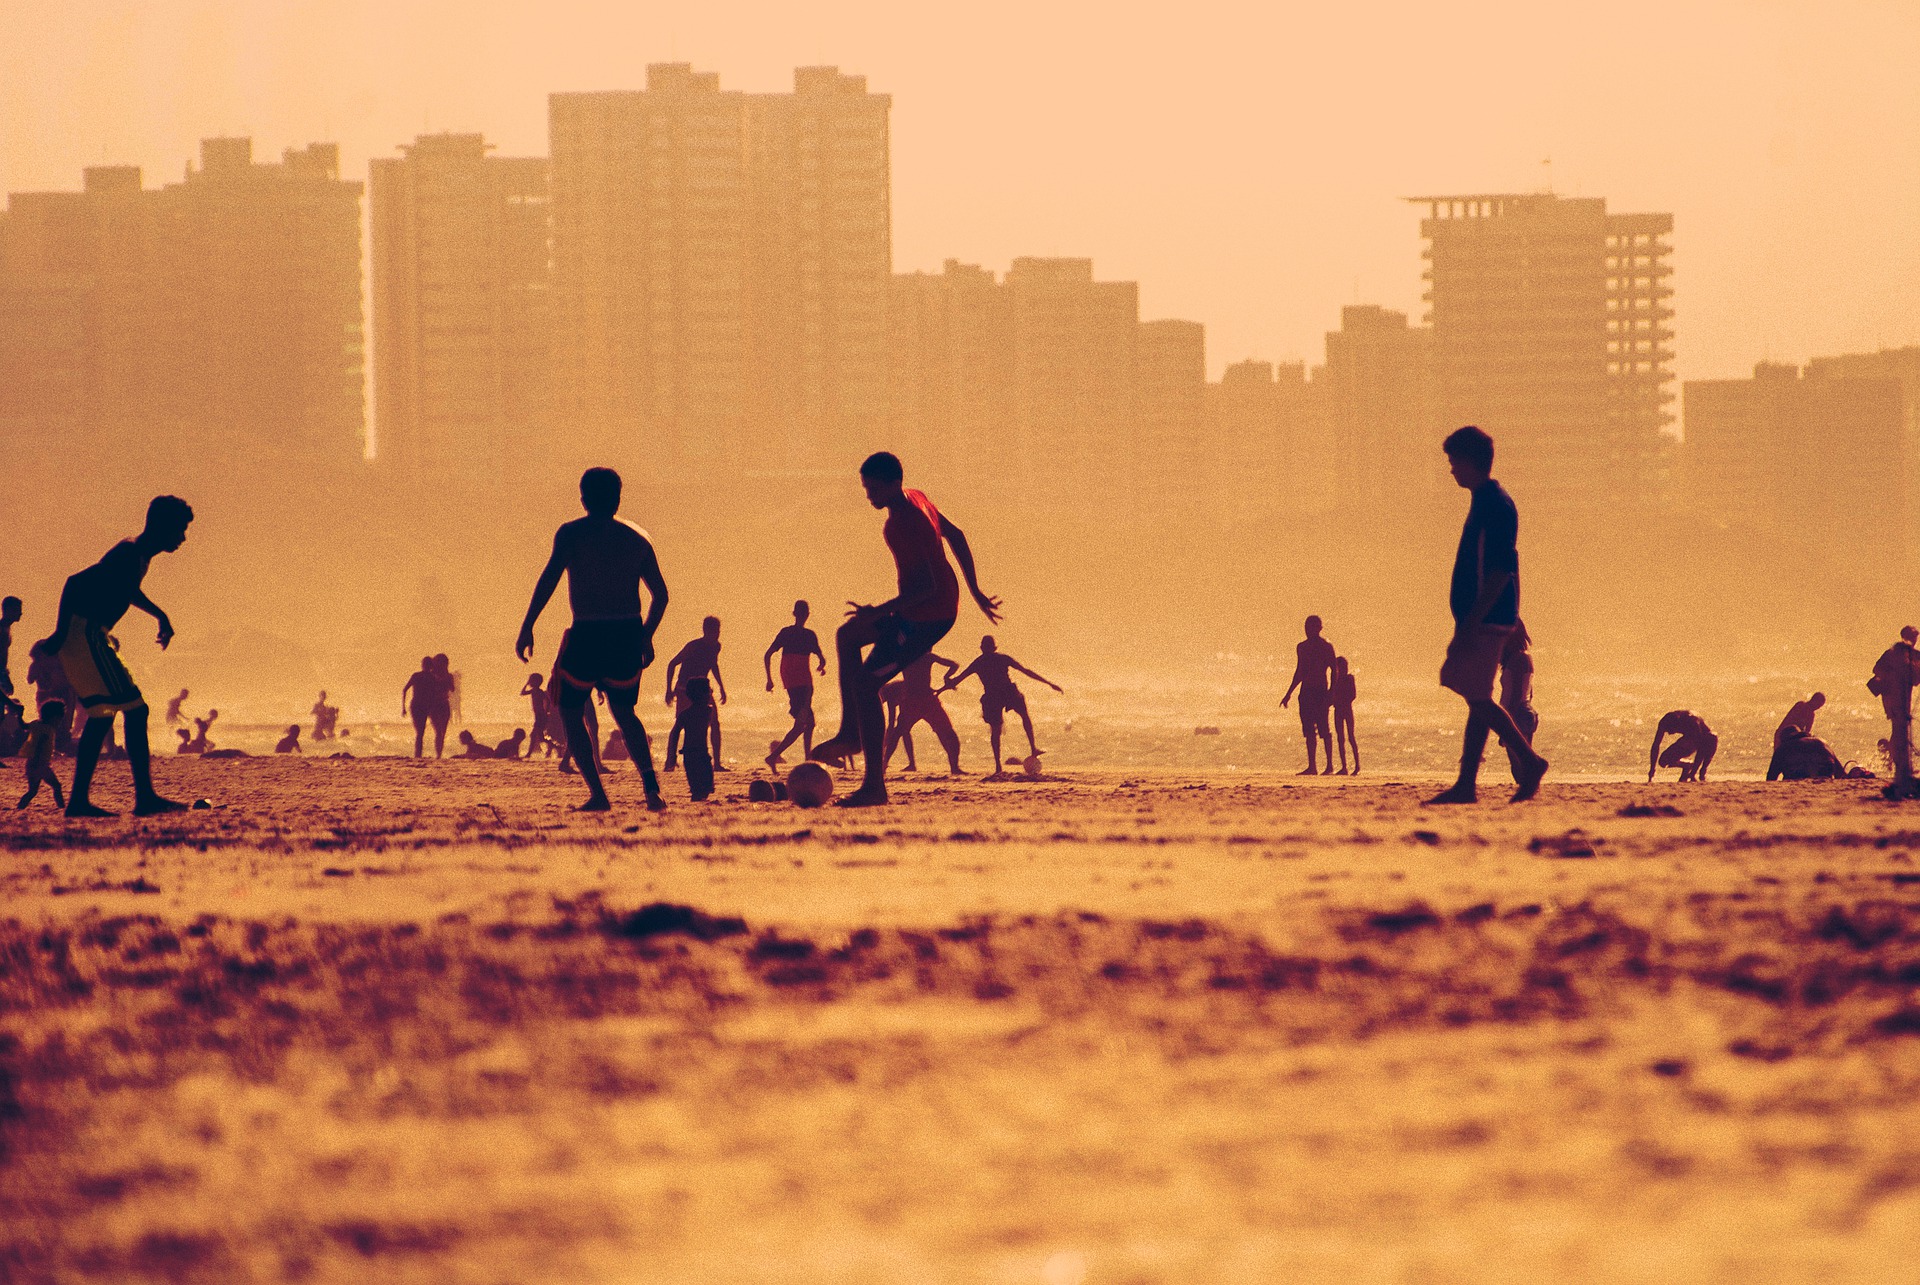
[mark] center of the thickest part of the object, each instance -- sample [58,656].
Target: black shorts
[800,701]
[994,706]
[902,642]
[1314,708]
[608,654]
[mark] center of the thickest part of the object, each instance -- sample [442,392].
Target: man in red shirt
[902,629]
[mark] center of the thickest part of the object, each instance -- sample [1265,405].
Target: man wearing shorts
[605,559]
[999,694]
[1313,675]
[902,629]
[799,649]
[92,603]
[1485,599]
[920,703]
[700,658]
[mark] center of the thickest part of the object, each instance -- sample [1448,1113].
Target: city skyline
[1205,181]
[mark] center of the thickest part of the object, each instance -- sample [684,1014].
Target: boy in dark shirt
[1485,599]
[692,723]
[91,604]
[38,752]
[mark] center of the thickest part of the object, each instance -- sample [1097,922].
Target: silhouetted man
[1485,600]
[543,729]
[1800,717]
[918,702]
[11,609]
[92,603]
[325,717]
[999,694]
[1894,675]
[605,560]
[173,706]
[799,649]
[1313,675]
[1799,755]
[902,629]
[429,689]
[1693,750]
[700,658]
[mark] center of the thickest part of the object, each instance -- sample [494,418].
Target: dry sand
[378,1020]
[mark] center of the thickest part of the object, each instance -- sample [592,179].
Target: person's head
[441,663]
[1313,626]
[293,730]
[519,734]
[801,611]
[535,682]
[600,492]
[710,628]
[426,664]
[466,737]
[988,646]
[1340,665]
[1469,455]
[1818,700]
[11,608]
[168,517]
[323,693]
[53,711]
[1909,634]
[881,474]
[183,735]
[184,693]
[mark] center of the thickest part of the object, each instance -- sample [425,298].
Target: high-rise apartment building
[1552,329]
[1170,403]
[1075,346]
[1260,431]
[1376,395]
[461,317]
[721,267]
[950,367]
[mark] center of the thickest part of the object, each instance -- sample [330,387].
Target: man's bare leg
[1326,743]
[1313,766]
[906,739]
[439,737]
[639,747]
[852,637]
[1027,722]
[86,757]
[871,720]
[580,746]
[1484,716]
[993,735]
[146,802]
[713,739]
[419,737]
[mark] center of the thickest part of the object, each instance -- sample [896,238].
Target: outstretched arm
[542,594]
[952,665]
[147,605]
[1035,677]
[954,680]
[963,554]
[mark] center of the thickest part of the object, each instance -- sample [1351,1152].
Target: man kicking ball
[92,603]
[999,694]
[605,559]
[902,629]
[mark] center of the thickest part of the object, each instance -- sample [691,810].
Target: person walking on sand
[1484,597]
[799,649]
[91,604]
[1690,753]
[700,658]
[999,694]
[1894,676]
[605,560]
[1342,695]
[878,641]
[428,687]
[1516,690]
[1312,670]
[917,702]
[1800,718]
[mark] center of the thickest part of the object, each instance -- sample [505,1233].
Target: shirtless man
[1800,718]
[999,694]
[428,689]
[902,629]
[1894,677]
[605,560]
[11,609]
[1690,753]
[92,603]
[1312,675]
[698,659]
[173,706]
[325,718]
[918,702]
[797,645]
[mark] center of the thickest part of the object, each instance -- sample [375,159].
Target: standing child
[39,753]
[1345,689]
[692,725]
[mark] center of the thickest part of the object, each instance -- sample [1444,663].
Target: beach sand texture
[380,1020]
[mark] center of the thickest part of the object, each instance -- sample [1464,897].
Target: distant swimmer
[1693,750]
[544,724]
[799,649]
[1799,755]
[1894,676]
[1000,695]
[472,749]
[605,560]
[91,604]
[428,689]
[1516,691]
[692,724]
[1485,600]
[1343,693]
[173,706]
[918,702]
[1312,670]
[1800,717]
[290,743]
[700,658]
[11,609]
[901,629]
[325,719]
[510,748]
[36,753]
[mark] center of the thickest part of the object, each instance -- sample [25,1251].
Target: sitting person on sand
[510,748]
[1800,718]
[472,749]
[1801,756]
[290,743]
[1690,753]
[199,743]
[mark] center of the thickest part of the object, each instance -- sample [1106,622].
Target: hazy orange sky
[1241,161]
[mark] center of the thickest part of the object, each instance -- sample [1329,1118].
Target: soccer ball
[809,785]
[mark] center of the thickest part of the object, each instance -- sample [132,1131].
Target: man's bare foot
[1308,771]
[867,796]
[774,761]
[997,774]
[721,767]
[154,805]
[836,751]
[1530,780]
[82,808]
[958,771]
[1458,793]
[598,803]
[1327,771]
[655,803]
